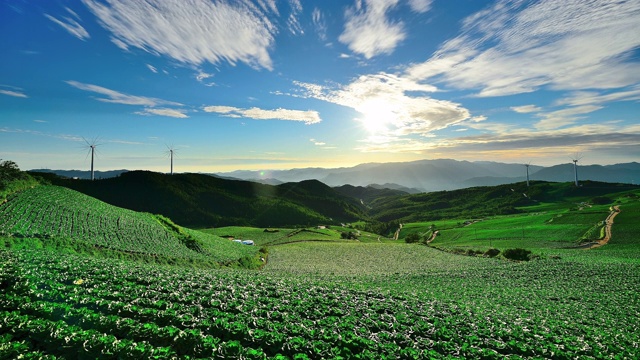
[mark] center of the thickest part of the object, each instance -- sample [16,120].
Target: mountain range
[445,174]
[422,175]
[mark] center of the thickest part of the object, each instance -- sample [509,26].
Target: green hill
[52,216]
[478,202]
[197,200]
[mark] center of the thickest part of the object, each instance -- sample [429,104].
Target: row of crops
[47,212]
[66,306]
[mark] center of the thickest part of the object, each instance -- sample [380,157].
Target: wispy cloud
[194,33]
[368,31]
[176,113]
[308,117]
[319,23]
[70,25]
[201,76]
[112,96]
[293,22]
[530,144]
[579,98]
[152,68]
[563,117]
[13,93]
[524,109]
[513,48]
[420,6]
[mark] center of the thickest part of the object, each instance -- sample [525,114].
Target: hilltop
[197,200]
[417,176]
[481,201]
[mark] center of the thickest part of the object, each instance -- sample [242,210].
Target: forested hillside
[196,200]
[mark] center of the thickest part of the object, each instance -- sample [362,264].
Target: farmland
[53,216]
[67,291]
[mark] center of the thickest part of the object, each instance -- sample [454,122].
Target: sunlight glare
[377,115]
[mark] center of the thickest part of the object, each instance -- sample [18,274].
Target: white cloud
[201,76]
[368,31]
[13,93]
[317,143]
[71,25]
[524,109]
[293,22]
[181,114]
[319,24]
[113,96]
[568,116]
[152,68]
[308,117]
[391,105]
[420,6]
[193,31]
[518,144]
[579,98]
[514,48]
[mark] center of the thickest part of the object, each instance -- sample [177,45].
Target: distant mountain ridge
[421,175]
[83,174]
[446,174]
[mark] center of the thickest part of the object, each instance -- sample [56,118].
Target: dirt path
[433,236]
[397,234]
[607,229]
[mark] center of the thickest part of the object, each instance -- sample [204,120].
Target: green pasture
[543,226]
[277,236]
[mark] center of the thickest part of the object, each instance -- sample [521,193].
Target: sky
[281,84]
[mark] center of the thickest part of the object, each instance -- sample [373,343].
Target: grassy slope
[197,200]
[480,202]
[564,223]
[56,217]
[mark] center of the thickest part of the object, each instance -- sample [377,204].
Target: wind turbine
[527,166]
[575,159]
[171,151]
[92,146]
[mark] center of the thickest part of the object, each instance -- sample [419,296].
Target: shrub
[349,235]
[492,252]
[517,254]
[412,238]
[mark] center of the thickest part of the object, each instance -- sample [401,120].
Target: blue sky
[280,84]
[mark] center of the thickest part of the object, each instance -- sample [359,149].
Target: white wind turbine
[527,166]
[171,151]
[92,149]
[575,160]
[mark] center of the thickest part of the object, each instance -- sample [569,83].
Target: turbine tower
[92,148]
[170,152]
[527,166]
[575,159]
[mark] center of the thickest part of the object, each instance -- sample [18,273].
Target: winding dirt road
[615,210]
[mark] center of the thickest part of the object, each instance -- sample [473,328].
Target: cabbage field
[323,299]
[53,214]
[69,306]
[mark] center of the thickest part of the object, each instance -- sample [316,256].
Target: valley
[84,278]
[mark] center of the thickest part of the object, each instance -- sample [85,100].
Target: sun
[377,115]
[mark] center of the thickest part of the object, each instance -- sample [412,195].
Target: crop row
[51,211]
[53,303]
